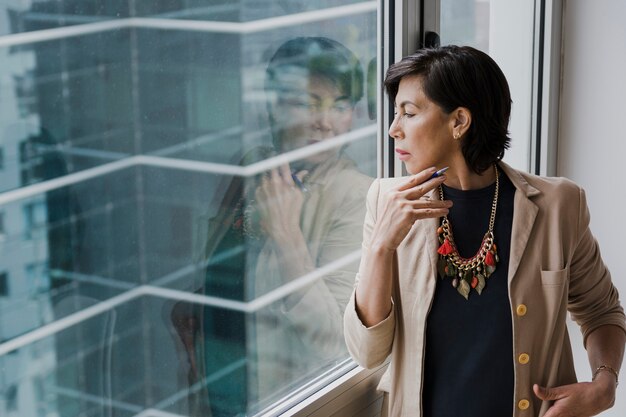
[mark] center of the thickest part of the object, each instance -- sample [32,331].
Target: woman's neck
[461,177]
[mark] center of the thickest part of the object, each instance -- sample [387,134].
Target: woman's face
[310,110]
[421,129]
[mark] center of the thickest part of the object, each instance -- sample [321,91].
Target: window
[37,277]
[11,398]
[164,156]
[4,284]
[34,218]
[193,187]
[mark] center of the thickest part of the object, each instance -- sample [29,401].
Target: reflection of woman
[290,222]
[316,83]
[513,253]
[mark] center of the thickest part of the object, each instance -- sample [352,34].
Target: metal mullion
[402,36]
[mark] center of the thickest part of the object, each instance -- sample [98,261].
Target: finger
[429,213]
[417,179]
[549,394]
[285,173]
[437,204]
[275,176]
[424,188]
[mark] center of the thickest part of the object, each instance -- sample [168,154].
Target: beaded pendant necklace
[468,273]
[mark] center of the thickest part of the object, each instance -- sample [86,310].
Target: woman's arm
[605,347]
[594,304]
[401,208]
[369,319]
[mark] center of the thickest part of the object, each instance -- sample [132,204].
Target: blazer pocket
[554,278]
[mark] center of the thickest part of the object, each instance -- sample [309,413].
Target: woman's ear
[461,121]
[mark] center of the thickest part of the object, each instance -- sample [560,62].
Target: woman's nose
[394,129]
[323,119]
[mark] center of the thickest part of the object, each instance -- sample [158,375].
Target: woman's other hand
[404,205]
[584,399]
[280,204]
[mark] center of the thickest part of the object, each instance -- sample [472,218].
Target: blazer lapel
[524,214]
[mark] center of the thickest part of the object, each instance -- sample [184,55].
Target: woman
[466,278]
[272,230]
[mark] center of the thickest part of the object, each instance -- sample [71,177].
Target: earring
[457,135]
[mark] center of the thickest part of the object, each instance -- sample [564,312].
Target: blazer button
[523,404]
[524,358]
[521,310]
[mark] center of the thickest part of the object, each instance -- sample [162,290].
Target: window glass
[465,22]
[183,194]
[506,31]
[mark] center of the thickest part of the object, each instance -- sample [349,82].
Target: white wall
[592,136]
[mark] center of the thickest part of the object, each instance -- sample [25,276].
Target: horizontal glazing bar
[188,25]
[149,290]
[182,164]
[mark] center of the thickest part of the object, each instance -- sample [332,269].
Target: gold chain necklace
[471,272]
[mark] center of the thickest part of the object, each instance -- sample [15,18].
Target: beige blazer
[555,267]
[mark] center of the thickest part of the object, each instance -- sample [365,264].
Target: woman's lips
[402,155]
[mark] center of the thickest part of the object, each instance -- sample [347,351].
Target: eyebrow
[338,98]
[405,102]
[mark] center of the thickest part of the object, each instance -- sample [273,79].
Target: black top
[468,369]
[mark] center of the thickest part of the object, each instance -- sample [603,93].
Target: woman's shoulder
[551,186]
[537,185]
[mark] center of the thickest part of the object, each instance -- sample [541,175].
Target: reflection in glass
[278,227]
[136,247]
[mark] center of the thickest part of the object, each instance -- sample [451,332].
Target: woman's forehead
[302,82]
[410,89]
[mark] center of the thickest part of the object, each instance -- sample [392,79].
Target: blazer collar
[518,178]
[524,215]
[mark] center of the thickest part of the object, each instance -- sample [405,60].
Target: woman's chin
[410,168]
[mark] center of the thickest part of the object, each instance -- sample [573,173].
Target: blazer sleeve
[593,300]
[368,346]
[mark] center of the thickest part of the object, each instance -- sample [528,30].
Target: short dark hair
[320,57]
[461,76]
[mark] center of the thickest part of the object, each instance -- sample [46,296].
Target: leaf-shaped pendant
[463,288]
[441,267]
[481,283]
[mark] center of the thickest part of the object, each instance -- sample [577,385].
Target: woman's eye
[408,115]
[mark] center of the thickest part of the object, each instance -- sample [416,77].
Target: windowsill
[330,392]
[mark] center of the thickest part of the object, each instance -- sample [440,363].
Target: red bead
[489,259]
[474,282]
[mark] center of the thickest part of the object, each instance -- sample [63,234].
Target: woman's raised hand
[280,204]
[404,205]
